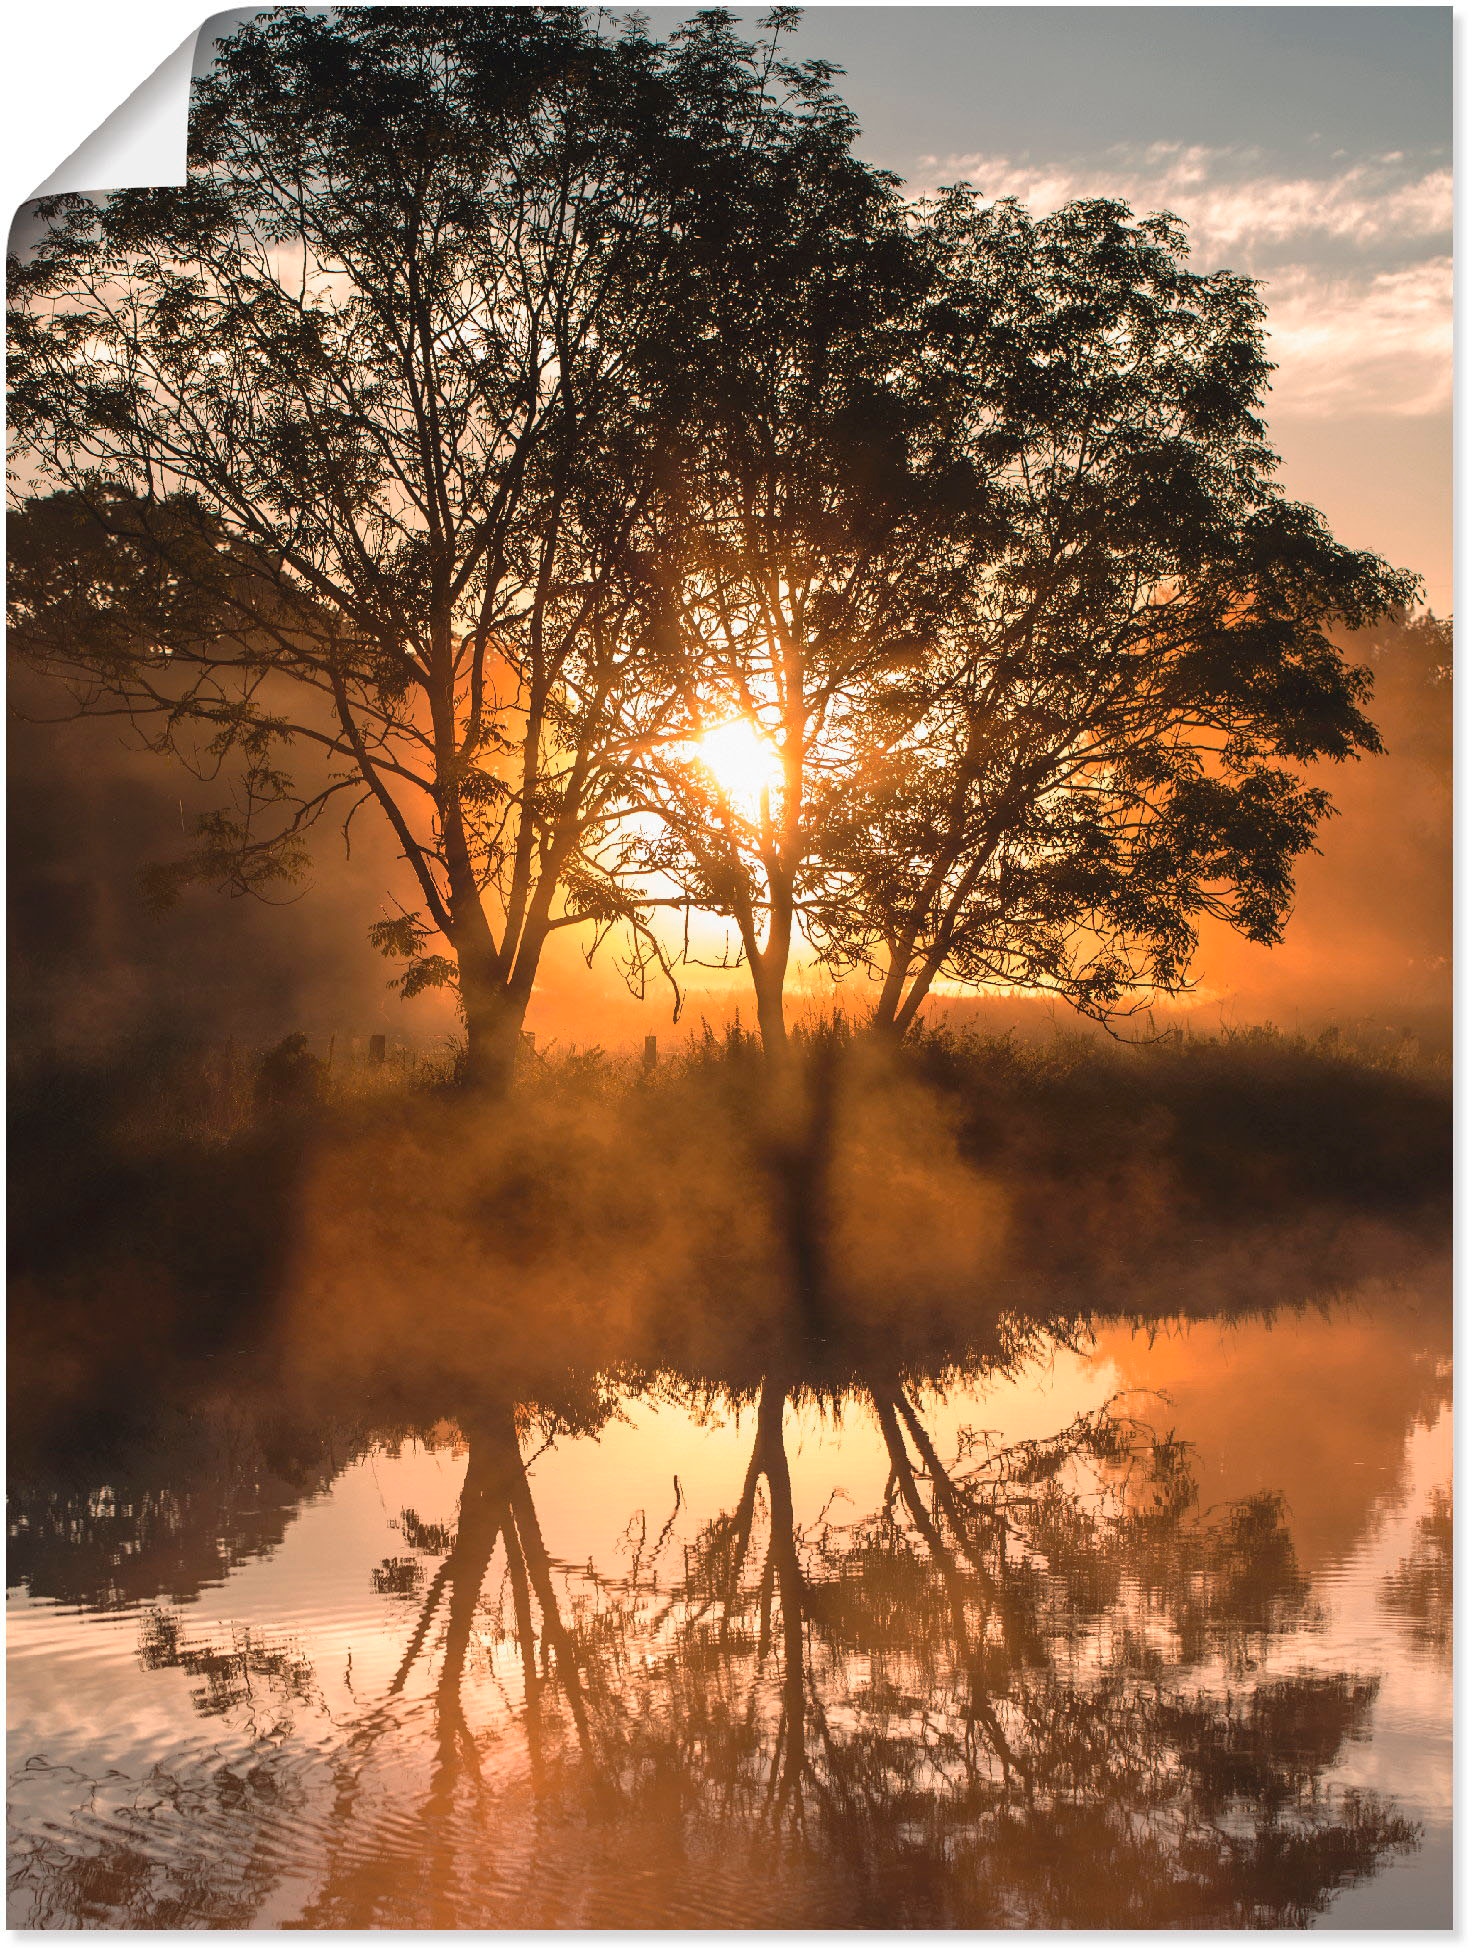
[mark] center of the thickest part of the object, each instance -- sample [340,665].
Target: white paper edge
[143,144]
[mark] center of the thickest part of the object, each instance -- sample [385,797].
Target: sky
[1308,147]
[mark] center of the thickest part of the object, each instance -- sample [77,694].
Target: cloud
[1354,264]
[1228,198]
[1381,344]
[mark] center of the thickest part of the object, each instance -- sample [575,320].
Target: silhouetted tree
[338,455]
[1104,741]
[807,525]
[981,548]
[502,412]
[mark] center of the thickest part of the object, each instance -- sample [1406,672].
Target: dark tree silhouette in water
[350,445]
[930,1746]
[890,1713]
[419,1877]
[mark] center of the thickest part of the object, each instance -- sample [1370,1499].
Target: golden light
[742,761]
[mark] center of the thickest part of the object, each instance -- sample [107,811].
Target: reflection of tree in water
[174,1852]
[1023,1691]
[1018,1693]
[200,1494]
[976,1701]
[259,1674]
[189,1495]
[1420,1588]
[380,1873]
[195,1845]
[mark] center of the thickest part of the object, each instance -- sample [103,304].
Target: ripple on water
[265,1751]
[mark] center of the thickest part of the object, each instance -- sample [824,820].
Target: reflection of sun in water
[742,762]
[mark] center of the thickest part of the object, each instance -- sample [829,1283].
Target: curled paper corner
[144,143]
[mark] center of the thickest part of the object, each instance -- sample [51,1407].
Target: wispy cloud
[1229,200]
[1381,344]
[1354,262]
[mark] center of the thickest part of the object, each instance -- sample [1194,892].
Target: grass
[943,1205]
[964,1163]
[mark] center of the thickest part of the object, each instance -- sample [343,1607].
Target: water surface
[1117,1624]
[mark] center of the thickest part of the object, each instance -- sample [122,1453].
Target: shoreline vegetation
[949,1198]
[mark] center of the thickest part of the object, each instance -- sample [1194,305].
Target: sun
[742,761]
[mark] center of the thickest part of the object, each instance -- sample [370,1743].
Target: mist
[1367,947]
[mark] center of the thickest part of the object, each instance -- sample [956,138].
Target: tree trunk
[769,971]
[897,1009]
[884,1030]
[789,1765]
[493,1022]
[771,1016]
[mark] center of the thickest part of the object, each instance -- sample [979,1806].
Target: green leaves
[404,937]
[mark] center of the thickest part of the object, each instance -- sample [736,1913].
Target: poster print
[729,850]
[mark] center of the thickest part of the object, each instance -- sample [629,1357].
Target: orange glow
[742,761]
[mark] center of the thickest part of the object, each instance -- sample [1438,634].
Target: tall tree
[337,450]
[1105,740]
[799,528]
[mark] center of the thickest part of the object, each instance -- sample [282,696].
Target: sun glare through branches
[743,763]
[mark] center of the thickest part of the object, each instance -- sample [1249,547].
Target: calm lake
[1127,1623]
